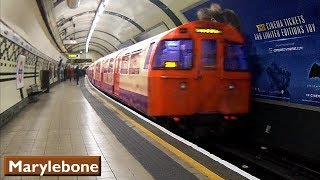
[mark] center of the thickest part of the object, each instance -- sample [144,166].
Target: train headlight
[231,87]
[183,85]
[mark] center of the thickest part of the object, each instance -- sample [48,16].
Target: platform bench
[33,92]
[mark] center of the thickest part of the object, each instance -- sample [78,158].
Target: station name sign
[52,165]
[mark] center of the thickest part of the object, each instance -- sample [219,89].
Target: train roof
[136,47]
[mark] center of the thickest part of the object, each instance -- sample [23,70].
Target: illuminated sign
[170,64]
[73,55]
[208,31]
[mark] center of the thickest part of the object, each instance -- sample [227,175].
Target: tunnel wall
[25,19]
[23,32]
[282,40]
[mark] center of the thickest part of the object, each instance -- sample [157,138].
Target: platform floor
[63,122]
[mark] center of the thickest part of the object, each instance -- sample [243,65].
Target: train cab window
[174,54]
[134,63]
[209,54]
[124,65]
[235,58]
[146,64]
[111,64]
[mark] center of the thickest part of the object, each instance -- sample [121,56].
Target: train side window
[111,65]
[135,63]
[174,54]
[235,58]
[146,64]
[209,54]
[98,67]
[97,72]
[124,65]
[106,65]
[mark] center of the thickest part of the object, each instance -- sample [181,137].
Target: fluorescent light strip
[95,21]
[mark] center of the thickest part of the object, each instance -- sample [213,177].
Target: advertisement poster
[20,71]
[283,45]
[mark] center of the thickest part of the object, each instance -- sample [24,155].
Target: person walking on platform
[73,70]
[65,74]
[72,74]
[77,74]
[80,73]
[69,73]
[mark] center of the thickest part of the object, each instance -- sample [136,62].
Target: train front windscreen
[235,58]
[174,54]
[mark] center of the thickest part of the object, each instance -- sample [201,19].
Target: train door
[208,75]
[110,76]
[116,85]
[223,77]
[171,90]
[98,74]
[102,70]
[94,73]
[235,79]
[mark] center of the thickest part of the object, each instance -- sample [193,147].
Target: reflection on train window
[146,64]
[209,53]
[110,68]
[134,63]
[124,65]
[235,58]
[174,54]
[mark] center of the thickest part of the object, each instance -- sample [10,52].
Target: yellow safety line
[168,146]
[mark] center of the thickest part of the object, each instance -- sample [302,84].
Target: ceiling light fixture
[99,11]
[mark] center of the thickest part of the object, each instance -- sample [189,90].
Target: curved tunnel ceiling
[93,50]
[83,39]
[105,12]
[121,22]
[80,48]
[91,44]
[109,34]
